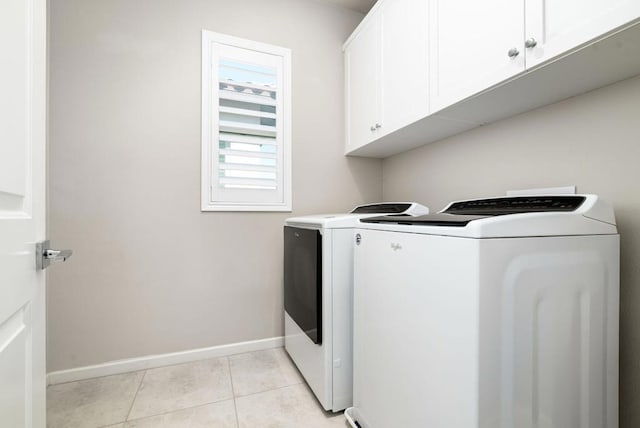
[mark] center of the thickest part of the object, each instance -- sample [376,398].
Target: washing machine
[318,297]
[493,313]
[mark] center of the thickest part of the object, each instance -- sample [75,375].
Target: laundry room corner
[151,273]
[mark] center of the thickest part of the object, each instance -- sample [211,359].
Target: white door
[405,63]
[473,46]
[362,61]
[22,212]
[556,26]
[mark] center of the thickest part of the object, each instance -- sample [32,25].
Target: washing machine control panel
[515,205]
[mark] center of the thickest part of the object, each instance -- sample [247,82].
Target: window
[246,125]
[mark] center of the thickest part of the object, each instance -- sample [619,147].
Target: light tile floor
[258,389]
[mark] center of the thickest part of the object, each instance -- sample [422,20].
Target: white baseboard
[153,361]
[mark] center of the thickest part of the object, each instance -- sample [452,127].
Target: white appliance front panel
[328,368]
[492,333]
[415,330]
[342,313]
[315,361]
[312,360]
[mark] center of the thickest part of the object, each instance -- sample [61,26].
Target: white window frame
[212,43]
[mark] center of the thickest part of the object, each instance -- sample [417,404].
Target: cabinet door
[362,62]
[405,67]
[474,45]
[557,26]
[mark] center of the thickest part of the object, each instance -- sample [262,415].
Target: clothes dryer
[318,297]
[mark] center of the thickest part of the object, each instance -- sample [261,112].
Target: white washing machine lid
[511,216]
[346,220]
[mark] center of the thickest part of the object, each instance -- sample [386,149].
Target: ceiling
[362,6]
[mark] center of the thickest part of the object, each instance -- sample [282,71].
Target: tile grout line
[174,411]
[233,393]
[183,408]
[271,389]
[135,396]
[53,385]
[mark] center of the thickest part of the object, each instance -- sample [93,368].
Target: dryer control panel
[392,208]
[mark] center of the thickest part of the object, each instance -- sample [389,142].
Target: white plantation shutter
[246,123]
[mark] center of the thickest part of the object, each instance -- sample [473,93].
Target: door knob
[45,255]
[530,43]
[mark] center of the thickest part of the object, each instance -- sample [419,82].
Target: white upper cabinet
[474,45]
[405,64]
[422,70]
[386,64]
[557,26]
[362,64]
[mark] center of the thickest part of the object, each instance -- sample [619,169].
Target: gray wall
[151,273]
[592,141]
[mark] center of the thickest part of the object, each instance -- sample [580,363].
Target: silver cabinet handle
[45,256]
[513,52]
[373,128]
[530,43]
[378,126]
